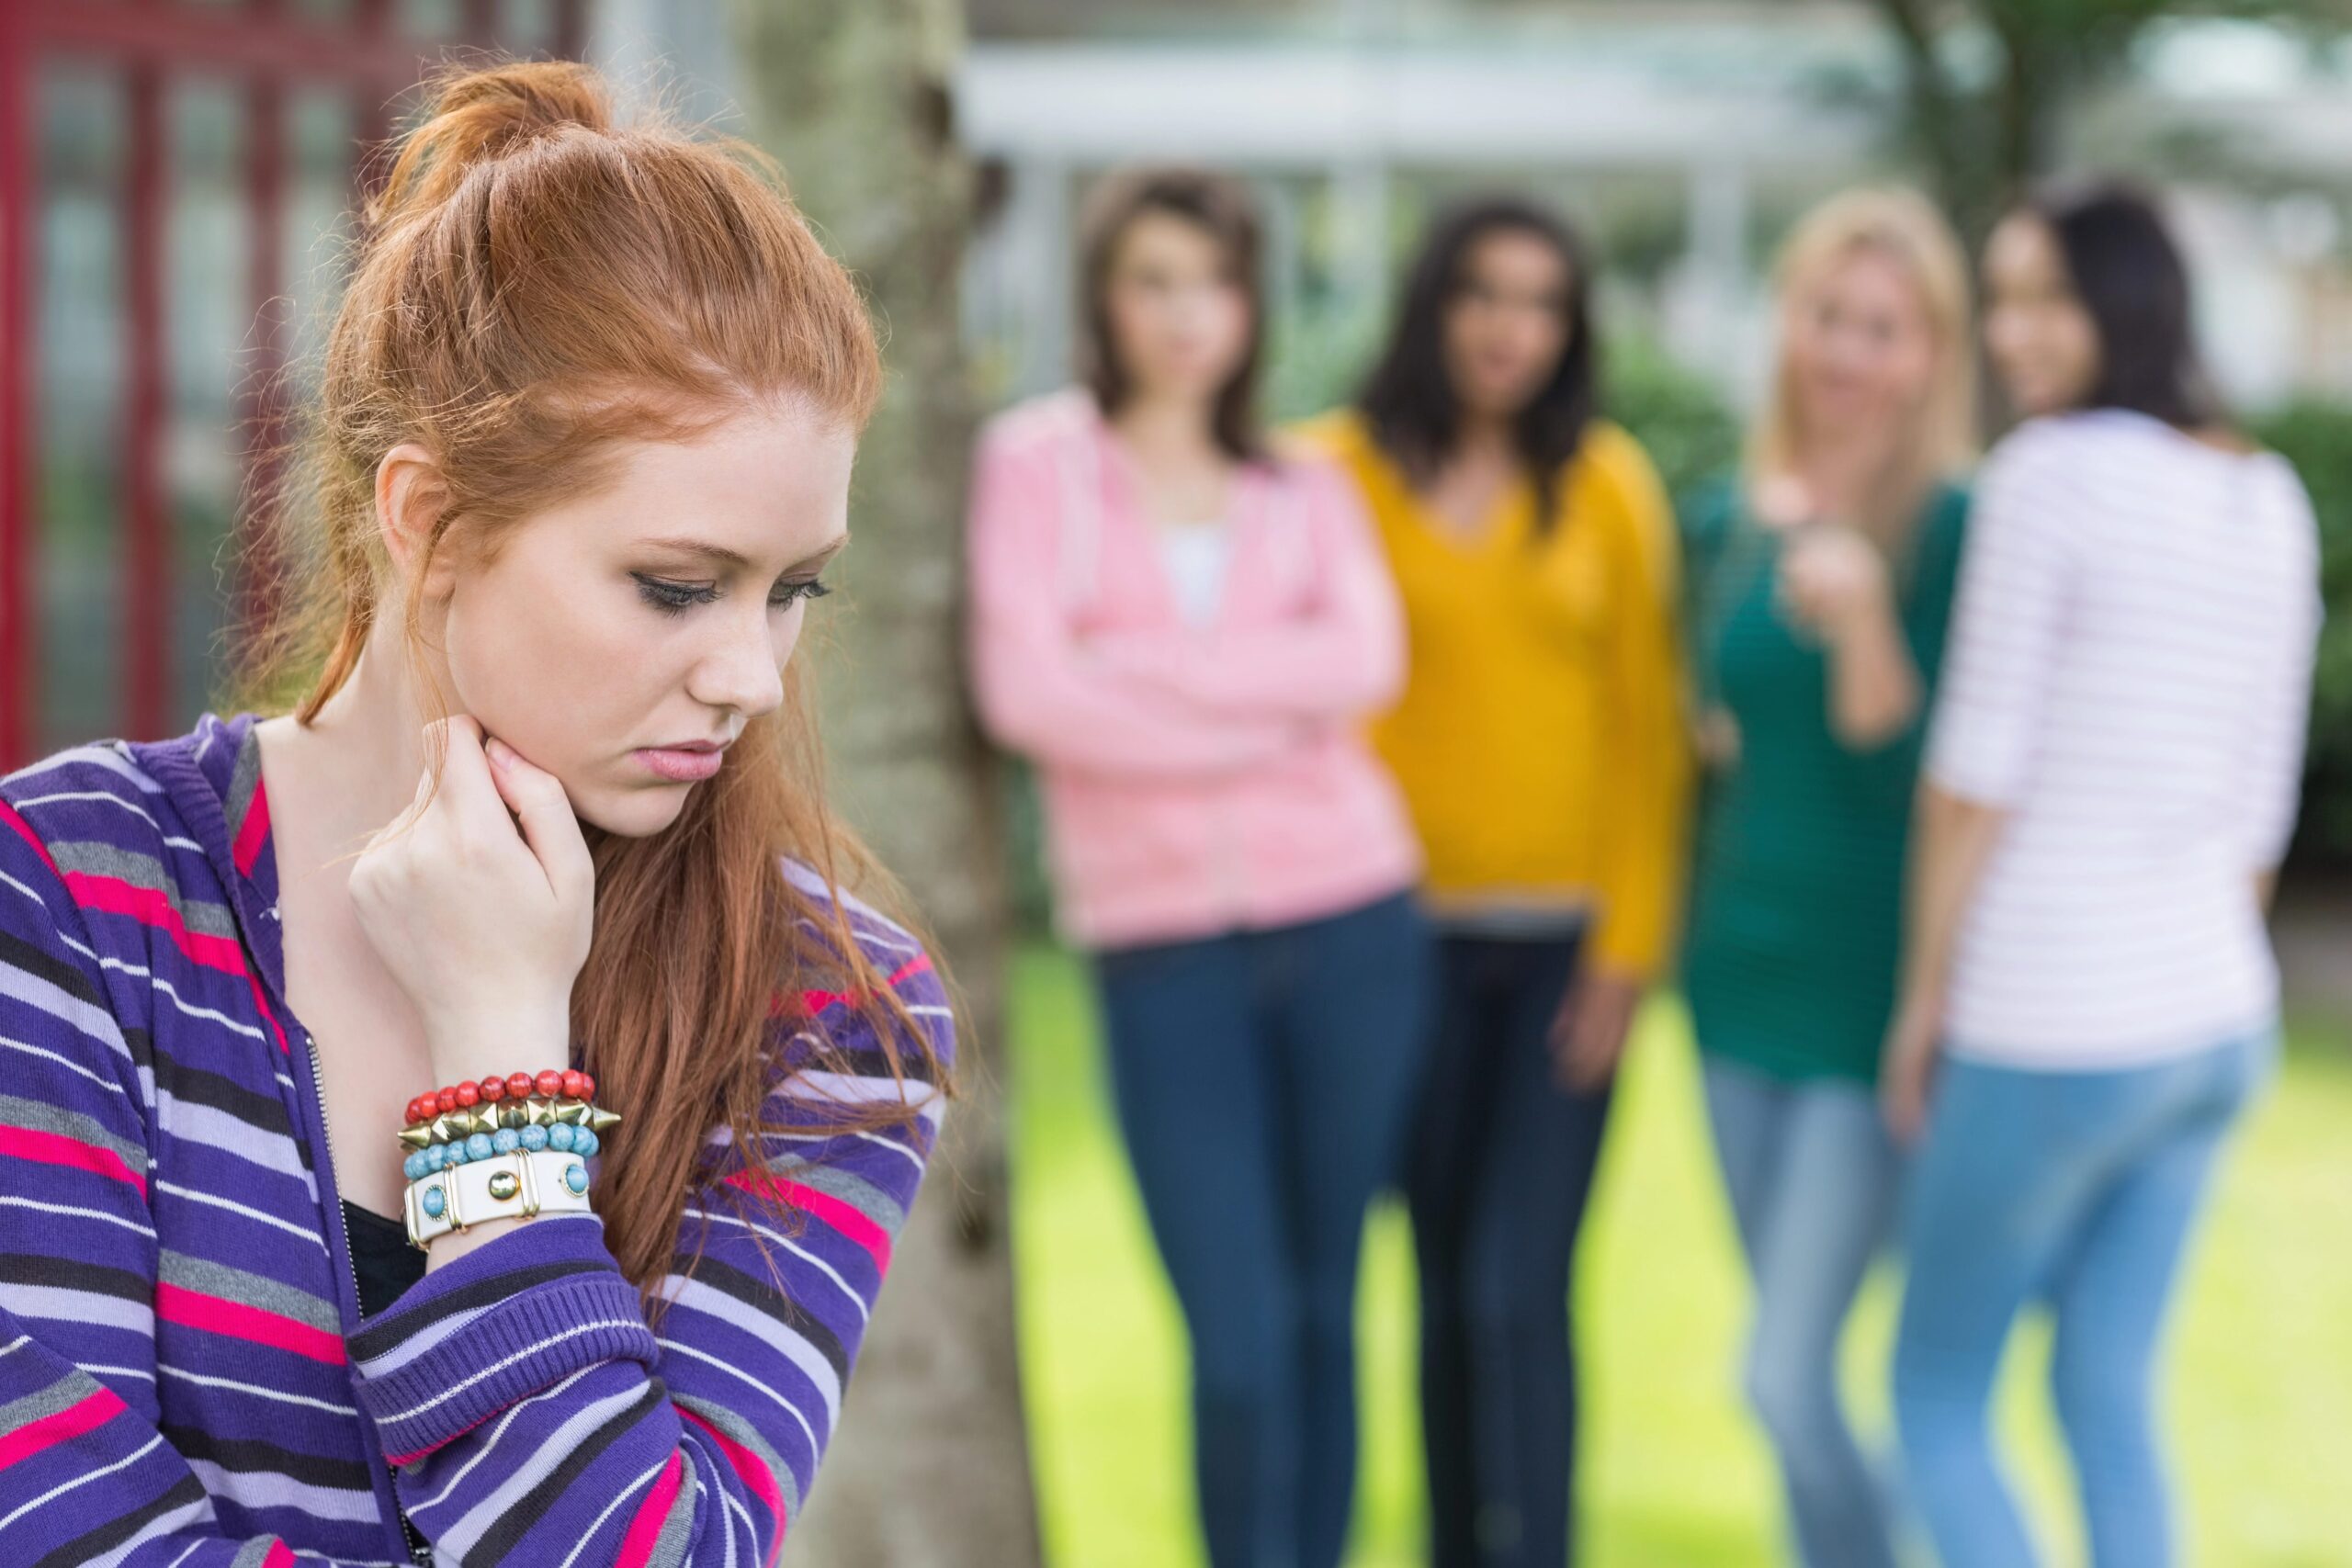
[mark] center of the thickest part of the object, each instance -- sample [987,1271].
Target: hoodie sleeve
[532,1414]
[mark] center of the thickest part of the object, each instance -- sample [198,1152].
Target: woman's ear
[409,496]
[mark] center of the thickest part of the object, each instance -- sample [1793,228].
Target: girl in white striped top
[2089,996]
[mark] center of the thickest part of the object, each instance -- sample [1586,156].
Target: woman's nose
[744,671]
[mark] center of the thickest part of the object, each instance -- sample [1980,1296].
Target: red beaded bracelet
[570,1083]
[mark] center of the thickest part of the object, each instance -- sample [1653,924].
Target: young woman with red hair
[536,846]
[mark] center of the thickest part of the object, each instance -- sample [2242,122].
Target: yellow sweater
[1540,740]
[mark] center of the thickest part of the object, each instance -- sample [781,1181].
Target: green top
[1797,871]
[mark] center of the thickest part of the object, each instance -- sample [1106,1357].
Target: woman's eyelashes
[674,598]
[787,594]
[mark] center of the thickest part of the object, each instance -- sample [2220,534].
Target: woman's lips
[679,764]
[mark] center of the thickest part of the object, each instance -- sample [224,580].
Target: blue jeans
[1812,1177]
[2079,1187]
[1501,1166]
[1261,1081]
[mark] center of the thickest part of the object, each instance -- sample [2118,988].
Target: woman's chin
[632,813]
[2034,396]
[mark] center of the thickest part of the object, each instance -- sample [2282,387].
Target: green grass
[2260,1398]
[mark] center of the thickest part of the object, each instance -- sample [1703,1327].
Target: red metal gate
[267,48]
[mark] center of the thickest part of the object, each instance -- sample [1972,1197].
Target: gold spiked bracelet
[537,1111]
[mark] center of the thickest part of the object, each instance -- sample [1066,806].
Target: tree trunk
[930,1467]
[1934,109]
[2032,71]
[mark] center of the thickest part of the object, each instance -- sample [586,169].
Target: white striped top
[2129,677]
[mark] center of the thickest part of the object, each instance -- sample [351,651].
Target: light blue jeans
[1813,1177]
[2079,1187]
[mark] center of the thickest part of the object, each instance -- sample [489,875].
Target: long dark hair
[1409,401]
[2129,275]
[1224,209]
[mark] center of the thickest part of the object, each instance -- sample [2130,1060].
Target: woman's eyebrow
[721,555]
[718,555]
[818,558]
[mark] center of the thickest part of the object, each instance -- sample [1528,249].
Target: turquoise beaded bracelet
[530,1125]
[563,1138]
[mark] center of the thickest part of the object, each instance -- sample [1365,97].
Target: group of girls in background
[1380,758]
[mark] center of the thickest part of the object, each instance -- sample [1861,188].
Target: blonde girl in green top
[1820,583]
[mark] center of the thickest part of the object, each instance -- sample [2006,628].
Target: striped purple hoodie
[185,1381]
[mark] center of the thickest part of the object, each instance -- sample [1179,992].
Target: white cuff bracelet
[512,1186]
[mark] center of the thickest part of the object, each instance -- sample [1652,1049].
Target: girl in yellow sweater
[1540,745]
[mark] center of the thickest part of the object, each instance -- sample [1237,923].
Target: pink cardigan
[1196,781]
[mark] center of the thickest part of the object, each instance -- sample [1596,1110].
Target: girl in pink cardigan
[1183,632]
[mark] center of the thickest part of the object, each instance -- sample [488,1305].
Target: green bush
[1024,840]
[2316,438]
[1690,431]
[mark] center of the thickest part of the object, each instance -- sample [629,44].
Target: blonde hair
[1942,439]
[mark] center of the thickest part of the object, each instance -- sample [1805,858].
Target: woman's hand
[1782,502]
[1907,1065]
[1715,739]
[1834,581]
[1589,1030]
[483,925]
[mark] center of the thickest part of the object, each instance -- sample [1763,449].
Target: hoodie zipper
[188,787]
[418,1552]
